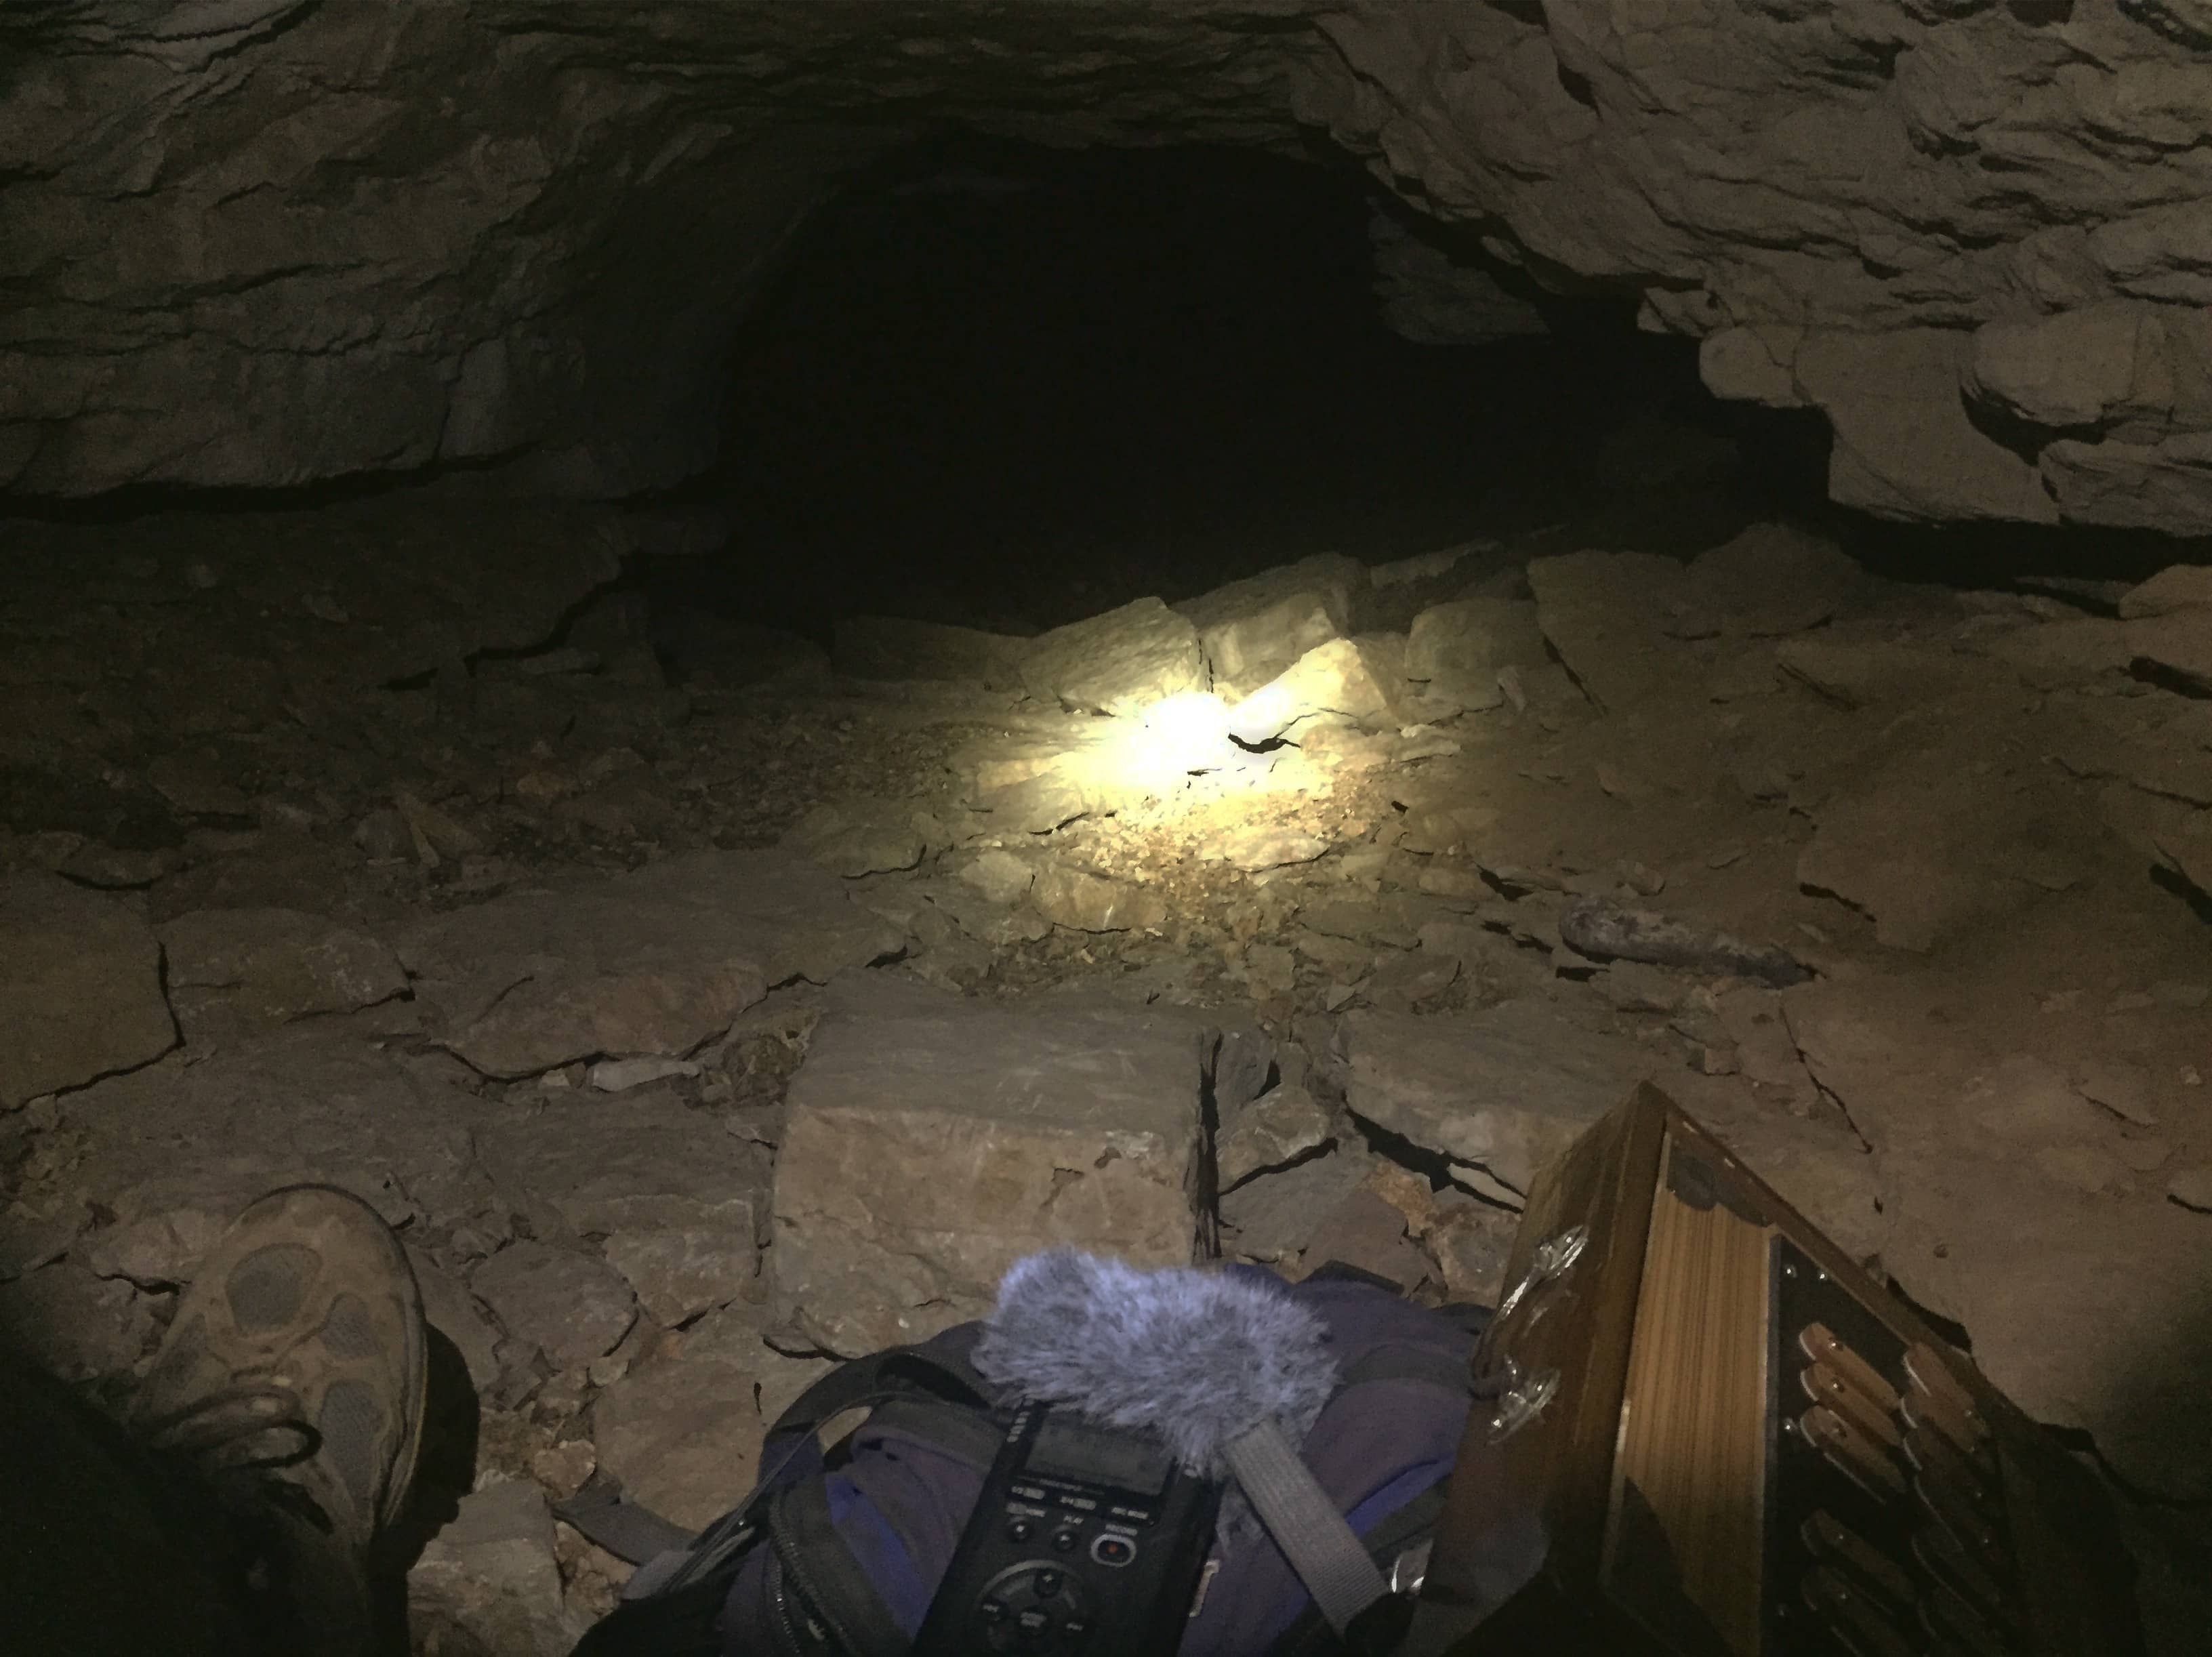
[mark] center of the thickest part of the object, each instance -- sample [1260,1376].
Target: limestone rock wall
[265,242]
[368,237]
[1979,237]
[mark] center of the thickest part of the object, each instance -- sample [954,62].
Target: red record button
[1112,1551]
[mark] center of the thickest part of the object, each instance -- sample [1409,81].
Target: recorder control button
[1049,1583]
[1065,1541]
[1020,1530]
[1113,1549]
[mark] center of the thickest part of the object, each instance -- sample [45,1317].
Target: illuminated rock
[1253,846]
[684,1436]
[1605,614]
[1255,628]
[1339,682]
[860,836]
[1121,662]
[2183,586]
[1094,903]
[1277,1128]
[1505,1089]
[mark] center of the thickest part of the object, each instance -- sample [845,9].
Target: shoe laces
[244,1437]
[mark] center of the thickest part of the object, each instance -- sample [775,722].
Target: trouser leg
[105,1549]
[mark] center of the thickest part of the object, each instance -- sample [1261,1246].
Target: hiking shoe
[292,1383]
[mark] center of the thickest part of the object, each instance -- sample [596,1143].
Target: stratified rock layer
[933,1143]
[271,242]
[82,996]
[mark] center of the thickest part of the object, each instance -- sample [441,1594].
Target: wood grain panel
[1685,1524]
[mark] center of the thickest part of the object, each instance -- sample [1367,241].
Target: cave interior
[582,682]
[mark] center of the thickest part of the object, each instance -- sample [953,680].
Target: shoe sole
[416,1361]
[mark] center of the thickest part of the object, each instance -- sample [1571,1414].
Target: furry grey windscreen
[1196,1356]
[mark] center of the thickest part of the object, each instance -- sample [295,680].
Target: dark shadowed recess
[1009,386]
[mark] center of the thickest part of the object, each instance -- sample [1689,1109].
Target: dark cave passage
[1010,387]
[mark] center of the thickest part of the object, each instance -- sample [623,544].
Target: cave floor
[477,887]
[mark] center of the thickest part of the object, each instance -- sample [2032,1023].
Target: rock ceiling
[269,242]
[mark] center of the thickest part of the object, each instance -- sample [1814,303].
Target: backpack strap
[819,1564]
[1367,1613]
[1424,1364]
[939,1368]
[685,1622]
[1312,1533]
[968,1436]
[936,1370]
[1334,1271]
[1408,1528]
[628,1530]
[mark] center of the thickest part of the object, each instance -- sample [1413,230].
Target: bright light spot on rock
[1188,732]
[1173,752]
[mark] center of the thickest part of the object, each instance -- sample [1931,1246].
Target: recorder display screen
[1089,1455]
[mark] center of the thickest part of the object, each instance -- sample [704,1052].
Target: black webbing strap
[816,1562]
[632,1533]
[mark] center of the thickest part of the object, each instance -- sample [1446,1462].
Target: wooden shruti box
[1707,1433]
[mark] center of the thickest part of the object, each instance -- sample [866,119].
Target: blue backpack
[839,1555]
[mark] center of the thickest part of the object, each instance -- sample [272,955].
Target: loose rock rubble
[697,1034]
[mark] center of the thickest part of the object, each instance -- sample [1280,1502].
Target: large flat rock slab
[1253,629]
[1506,1089]
[594,1165]
[1457,648]
[1121,662]
[1604,613]
[1937,844]
[684,1436]
[81,988]
[651,962]
[933,1142]
[234,969]
[176,1151]
[1814,1163]
[2089,1312]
